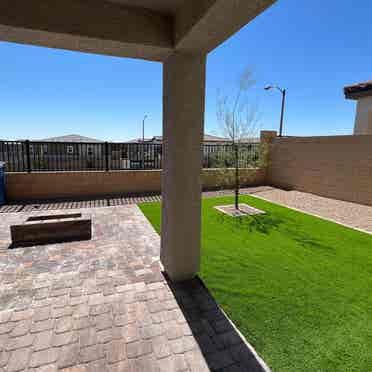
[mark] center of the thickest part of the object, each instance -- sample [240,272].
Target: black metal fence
[218,156]
[34,156]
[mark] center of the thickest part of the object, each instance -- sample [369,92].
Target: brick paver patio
[103,305]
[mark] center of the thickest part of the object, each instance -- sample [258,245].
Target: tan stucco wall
[52,185]
[338,167]
[363,118]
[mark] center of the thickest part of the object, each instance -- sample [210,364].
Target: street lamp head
[268,87]
[283,92]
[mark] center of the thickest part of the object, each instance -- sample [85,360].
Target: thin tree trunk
[236,177]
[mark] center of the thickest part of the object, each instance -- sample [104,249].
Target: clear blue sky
[313,48]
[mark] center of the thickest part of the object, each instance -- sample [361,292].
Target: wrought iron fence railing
[39,156]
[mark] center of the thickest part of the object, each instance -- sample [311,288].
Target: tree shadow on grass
[310,242]
[266,223]
[262,223]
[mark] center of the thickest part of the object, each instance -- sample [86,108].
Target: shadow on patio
[107,201]
[220,343]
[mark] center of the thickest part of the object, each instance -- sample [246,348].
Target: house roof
[250,140]
[207,138]
[152,139]
[210,138]
[71,138]
[356,91]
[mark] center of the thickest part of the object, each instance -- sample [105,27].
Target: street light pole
[143,128]
[283,92]
[143,142]
[282,113]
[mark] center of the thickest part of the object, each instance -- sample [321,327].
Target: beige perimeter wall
[338,167]
[53,185]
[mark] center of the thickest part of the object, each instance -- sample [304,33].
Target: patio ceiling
[161,6]
[147,29]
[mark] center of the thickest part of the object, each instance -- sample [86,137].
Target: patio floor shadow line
[222,346]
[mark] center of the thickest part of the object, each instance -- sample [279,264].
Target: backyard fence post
[107,156]
[28,157]
[266,137]
[143,155]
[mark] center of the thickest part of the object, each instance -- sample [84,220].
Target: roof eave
[355,93]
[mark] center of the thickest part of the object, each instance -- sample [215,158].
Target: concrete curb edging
[259,360]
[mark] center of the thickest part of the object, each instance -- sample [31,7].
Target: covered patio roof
[148,29]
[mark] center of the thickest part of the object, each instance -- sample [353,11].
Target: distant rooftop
[359,90]
[71,138]
[210,138]
[207,138]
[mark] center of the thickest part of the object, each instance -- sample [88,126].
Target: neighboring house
[362,93]
[71,144]
[11,153]
[208,140]
[91,153]
[152,140]
[153,147]
[75,152]
[67,152]
[214,140]
[214,147]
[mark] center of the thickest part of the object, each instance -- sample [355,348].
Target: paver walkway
[43,205]
[104,305]
[351,214]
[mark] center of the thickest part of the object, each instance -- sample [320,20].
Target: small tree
[239,123]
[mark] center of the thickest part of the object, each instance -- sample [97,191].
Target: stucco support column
[267,137]
[183,127]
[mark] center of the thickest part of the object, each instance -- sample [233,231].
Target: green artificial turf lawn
[298,287]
